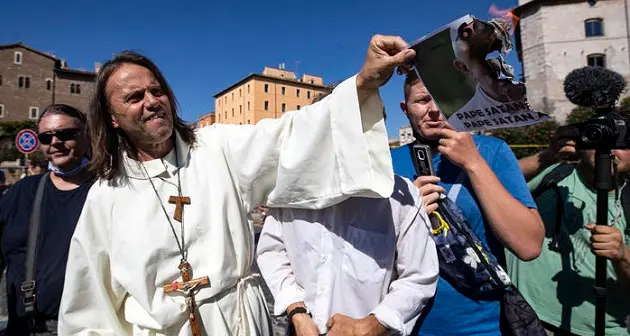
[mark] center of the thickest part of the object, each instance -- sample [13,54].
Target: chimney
[97,67]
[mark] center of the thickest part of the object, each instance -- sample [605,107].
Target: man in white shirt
[362,267]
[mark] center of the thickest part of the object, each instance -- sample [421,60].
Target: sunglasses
[66,134]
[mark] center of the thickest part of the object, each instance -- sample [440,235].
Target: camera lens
[596,133]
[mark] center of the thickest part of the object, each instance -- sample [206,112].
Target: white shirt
[483,112]
[362,256]
[123,251]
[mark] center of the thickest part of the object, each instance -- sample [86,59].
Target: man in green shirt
[559,283]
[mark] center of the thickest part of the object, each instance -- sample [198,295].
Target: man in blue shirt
[493,197]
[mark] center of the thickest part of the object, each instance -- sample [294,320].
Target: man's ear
[403,107]
[114,121]
[461,67]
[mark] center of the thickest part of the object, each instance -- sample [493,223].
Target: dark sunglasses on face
[62,134]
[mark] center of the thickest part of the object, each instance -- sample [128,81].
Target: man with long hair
[163,246]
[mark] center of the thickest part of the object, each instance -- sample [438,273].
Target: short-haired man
[492,196]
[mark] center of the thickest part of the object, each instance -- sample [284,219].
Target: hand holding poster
[472,91]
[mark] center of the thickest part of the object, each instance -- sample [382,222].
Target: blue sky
[203,47]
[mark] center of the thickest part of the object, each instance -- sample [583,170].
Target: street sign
[26,141]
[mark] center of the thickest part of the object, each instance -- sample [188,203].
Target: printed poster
[463,67]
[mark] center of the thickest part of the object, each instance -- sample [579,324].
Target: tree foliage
[537,134]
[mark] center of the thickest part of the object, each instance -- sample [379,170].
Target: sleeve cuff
[286,297]
[360,143]
[390,319]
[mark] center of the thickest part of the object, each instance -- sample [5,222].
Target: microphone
[593,86]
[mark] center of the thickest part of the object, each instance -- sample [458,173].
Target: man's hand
[384,54]
[607,242]
[562,147]
[304,325]
[429,191]
[341,325]
[459,148]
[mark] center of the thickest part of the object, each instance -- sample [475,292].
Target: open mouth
[158,115]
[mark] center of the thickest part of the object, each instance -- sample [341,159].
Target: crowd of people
[140,223]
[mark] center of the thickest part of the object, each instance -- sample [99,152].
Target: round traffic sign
[26,141]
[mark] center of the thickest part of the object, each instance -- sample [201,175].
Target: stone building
[31,79]
[206,120]
[266,95]
[557,36]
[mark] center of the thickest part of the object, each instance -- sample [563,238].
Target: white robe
[123,250]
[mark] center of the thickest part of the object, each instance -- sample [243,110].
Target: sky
[203,47]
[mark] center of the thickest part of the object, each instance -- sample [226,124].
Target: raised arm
[502,193]
[326,152]
[561,148]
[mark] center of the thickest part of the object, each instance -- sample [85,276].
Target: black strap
[550,181]
[553,178]
[625,202]
[28,286]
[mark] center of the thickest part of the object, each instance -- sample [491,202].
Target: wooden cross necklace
[187,286]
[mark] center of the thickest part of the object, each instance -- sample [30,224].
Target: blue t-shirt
[450,312]
[59,215]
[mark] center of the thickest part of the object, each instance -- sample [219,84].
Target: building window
[225,99]
[247,88]
[240,109]
[248,106]
[0,79]
[232,96]
[297,92]
[593,27]
[266,87]
[248,121]
[266,105]
[1,111]
[284,107]
[308,94]
[298,107]
[284,90]
[33,112]
[232,112]
[17,57]
[75,88]
[596,60]
[48,84]
[240,93]
[24,82]
[225,115]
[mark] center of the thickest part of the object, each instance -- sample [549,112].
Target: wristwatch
[298,310]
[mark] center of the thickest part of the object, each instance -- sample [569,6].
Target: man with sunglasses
[64,143]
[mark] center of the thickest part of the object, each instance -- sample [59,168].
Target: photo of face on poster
[473,92]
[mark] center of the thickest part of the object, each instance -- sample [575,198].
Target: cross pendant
[179,202]
[188,287]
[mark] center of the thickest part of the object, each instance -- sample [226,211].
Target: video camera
[597,88]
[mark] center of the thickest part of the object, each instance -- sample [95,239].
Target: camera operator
[559,283]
